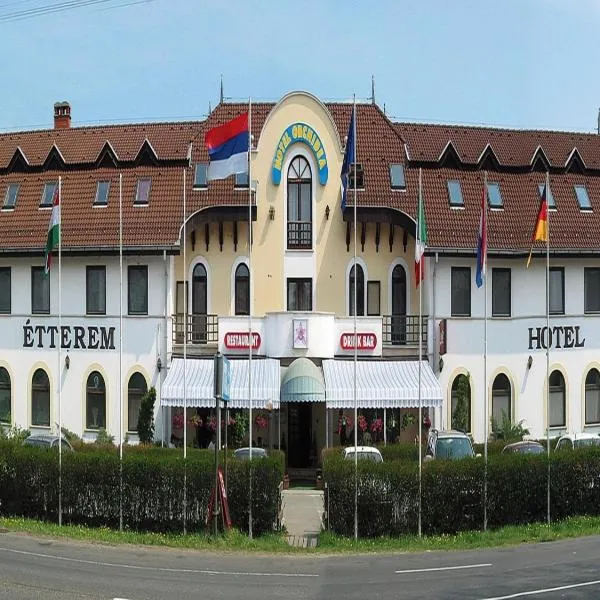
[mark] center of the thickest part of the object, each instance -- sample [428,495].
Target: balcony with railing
[403,331]
[299,235]
[200,330]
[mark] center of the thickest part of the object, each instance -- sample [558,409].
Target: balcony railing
[401,330]
[299,235]
[201,329]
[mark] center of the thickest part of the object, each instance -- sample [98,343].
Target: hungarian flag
[53,229]
[420,242]
[540,232]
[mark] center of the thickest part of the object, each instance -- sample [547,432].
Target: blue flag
[349,159]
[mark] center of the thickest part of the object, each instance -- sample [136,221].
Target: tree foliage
[146,417]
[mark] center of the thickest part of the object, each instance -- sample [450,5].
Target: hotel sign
[300,132]
[239,340]
[77,337]
[365,341]
[567,336]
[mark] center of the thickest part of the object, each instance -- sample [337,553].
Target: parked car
[524,447]
[572,441]
[450,444]
[47,441]
[244,453]
[363,453]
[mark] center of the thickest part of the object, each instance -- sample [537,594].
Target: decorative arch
[363,265]
[557,396]
[95,367]
[41,398]
[137,386]
[7,393]
[240,260]
[458,376]
[501,398]
[590,395]
[199,260]
[95,401]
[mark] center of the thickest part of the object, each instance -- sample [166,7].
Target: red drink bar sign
[366,341]
[238,340]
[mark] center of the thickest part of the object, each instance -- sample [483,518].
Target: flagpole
[185,334]
[60,351]
[420,284]
[485,351]
[120,352]
[250,339]
[355,335]
[547,194]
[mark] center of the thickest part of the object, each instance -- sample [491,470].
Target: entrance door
[398,324]
[300,434]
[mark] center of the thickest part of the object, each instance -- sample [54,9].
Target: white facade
[516,344]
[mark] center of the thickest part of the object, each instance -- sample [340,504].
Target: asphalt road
[35,569]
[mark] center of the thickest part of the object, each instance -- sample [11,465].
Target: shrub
[508,431]
[146,417]
[103,438]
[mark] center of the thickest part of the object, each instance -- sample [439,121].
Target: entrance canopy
[200,383]
[302,381]
[380,384]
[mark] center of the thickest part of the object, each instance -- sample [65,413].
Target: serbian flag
[482,241]
[228,148]
[540,232]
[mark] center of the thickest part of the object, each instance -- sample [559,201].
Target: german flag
[540,232]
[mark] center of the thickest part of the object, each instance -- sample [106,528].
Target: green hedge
[152,487]
[452,492]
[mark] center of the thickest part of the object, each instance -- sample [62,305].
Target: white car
[363,453]
[572,441]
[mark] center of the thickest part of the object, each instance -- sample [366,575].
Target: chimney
[62,115]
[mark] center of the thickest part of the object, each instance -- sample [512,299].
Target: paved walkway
[303,516]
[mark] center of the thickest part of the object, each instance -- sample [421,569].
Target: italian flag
[420,242]
[53,229]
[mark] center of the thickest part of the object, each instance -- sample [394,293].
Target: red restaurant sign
[238,340]
[366,341]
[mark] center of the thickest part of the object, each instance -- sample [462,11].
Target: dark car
[244,453]
[47,441]
[524,447]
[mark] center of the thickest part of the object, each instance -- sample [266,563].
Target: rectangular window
[95,288]
[102,189]
[48,193]
[397,177]
[241,180]
[12,192]
[299,294]
[356,170]
[137,290]
[373,298]
[582,197]
[557,291]
[494,195]
[551,202]
[5,290]
[455,193]
[591,284]
[461,292]
[142,194]
[40,291]
[200,180]
[501,305]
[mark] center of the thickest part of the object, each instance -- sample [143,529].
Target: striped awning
[380,384]
[302,381]
[200,383]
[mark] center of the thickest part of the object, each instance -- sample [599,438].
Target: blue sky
[514,63]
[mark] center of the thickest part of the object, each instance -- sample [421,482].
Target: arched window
[135,390]
[40,399]
[557,399]
[592,397]
[501,399]
[242,290]
[199,304]
[460,403]
[299,204]
[5,416]
[398,318]
[95,402]
[360,291]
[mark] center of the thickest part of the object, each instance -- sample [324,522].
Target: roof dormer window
[102,189]
[50,188]
[582,197]
[494,195]
[200,180]
[241,180]
[550,198]
[356,172]
[142,194]
[397,177]
[455,194]
[12,192]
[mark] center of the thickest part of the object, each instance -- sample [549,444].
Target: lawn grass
[329,543]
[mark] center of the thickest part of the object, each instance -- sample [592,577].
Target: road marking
[447,569]
[161,569]
[545,591]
